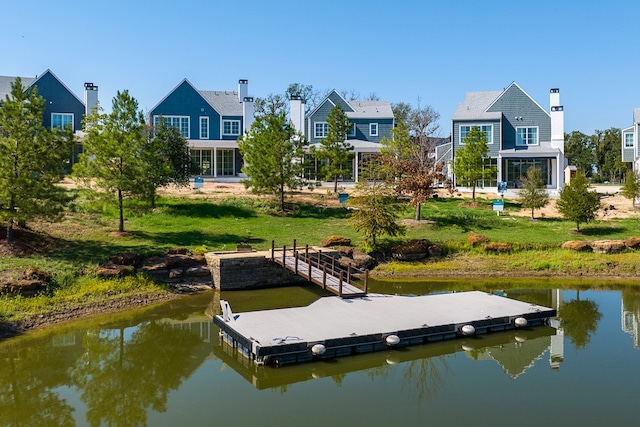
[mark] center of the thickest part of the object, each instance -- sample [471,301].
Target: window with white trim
[320,129]
[527,136]
[487,129]
[231,127]
[179,122]
[628,140]
[204,127]
[61,120]
[373,129]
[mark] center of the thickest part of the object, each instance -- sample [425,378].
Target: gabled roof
[476,105]
[361,109]
[226,103]
[27,82]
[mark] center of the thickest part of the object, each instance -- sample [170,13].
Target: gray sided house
[371,122]
[211,122]
[62,106]
[631,142]
[520,134]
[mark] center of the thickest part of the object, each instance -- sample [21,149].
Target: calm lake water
[165,366]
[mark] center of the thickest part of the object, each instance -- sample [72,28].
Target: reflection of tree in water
[26,396]
[579,320]
[122,379]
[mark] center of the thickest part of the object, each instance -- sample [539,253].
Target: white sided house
[520,134]
[631,142]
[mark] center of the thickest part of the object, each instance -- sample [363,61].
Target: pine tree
[577,203]
[31,160]
[533,194]
[272,150]
[114,160]
[376,206]
[334,148]
[469,162]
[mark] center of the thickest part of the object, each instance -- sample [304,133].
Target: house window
[527,136]
[61,120]
[487,129]
[373,129]
[352,132]
[231,127]
[628,140]
[179,122]
[320,129]
[204,127]
[225,162]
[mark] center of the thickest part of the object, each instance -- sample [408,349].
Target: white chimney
[90,97]
[296,113]
[243,89]
[247,113]
[557,120]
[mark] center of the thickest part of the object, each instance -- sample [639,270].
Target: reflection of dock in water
[515,351]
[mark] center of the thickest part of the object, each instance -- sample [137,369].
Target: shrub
[475,239]
[334,240]
[497,247]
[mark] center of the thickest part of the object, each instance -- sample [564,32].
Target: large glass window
[231,127]
[204,127]
[61,120]
[527,136]
[487,163]
[180,122]
[487,129]
[628,140]
[517,170]
[320,129]
[224,162]
[203,160]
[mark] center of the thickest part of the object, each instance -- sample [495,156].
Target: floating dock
[333,327]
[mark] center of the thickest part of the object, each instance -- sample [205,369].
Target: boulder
[126,258]
[577,245]
[608,246]
[336,241]
[633,242]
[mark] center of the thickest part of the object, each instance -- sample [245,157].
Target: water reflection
[125,369]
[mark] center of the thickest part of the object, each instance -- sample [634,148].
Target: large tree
[31,159]
[272,150]
[334,148]
[168,159]
[469,164]
[114,159]
[411,166]
[579,151]
[577,203]
[608,156]
[533,194]
[376,206]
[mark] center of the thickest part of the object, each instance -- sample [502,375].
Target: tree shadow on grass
[596,231]
[309,210]
[202,209]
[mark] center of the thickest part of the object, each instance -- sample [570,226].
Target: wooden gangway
[323,270]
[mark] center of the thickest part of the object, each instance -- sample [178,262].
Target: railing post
[284,256]
[324,277]
[349,273]
[366,281]
[273,250]
[296,270]
[319,256]
[306,252]
[340,285]
[309,269]
[295,243]
[333,266]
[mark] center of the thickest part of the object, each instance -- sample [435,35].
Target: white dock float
[333,326]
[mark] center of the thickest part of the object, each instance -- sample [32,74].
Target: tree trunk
[532,217]
[121,209]
[11,209]
[335,184]
[418,206]
[473,192]
[281,198]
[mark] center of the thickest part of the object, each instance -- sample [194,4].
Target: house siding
[494,148]
[59,100]
[320,115]
[628,154]
[515,103]
[186,101]
[230,137]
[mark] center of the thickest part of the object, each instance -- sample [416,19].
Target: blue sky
[427,51]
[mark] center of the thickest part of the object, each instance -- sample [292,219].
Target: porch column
[215,162]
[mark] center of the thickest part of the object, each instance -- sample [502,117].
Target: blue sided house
[62,106]
[520,134]
[630,142]
[371,121]
[211,122]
